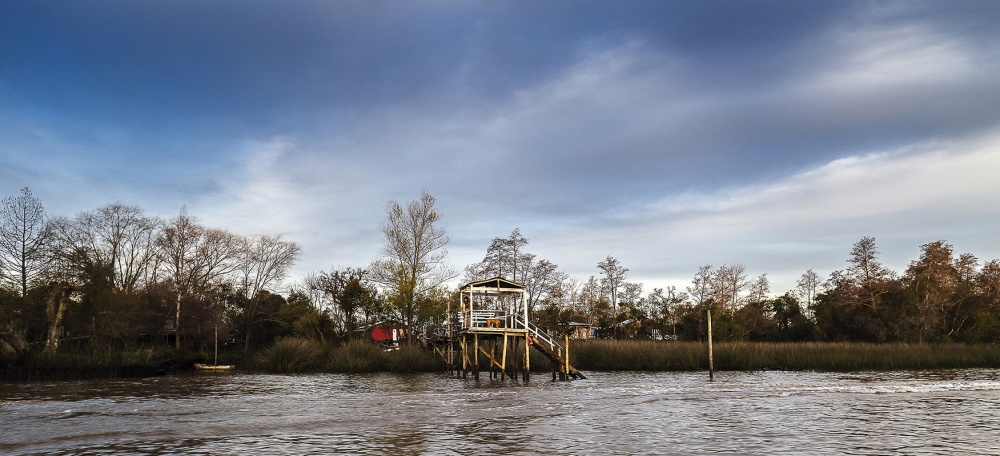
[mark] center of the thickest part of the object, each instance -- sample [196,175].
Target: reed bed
[355,357]
[296,354]
[410,359]
[637,355]
[96,356]
[293,354]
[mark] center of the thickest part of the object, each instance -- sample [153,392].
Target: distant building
[387,332]
[577,331]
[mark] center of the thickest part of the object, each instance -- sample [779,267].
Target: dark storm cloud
[597,122]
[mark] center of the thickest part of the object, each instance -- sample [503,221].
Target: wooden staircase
[550,348]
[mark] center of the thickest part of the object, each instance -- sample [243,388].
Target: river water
[941,412]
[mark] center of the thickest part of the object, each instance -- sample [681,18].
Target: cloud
[942,189]
[668,135]
[625,151]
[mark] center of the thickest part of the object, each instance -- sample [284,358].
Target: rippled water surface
[950,412]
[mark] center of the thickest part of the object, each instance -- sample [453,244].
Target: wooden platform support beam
[503,357]
[465,358]
[566,359]
[527,357]
[475,355]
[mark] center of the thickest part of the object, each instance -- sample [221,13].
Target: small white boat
[213,367]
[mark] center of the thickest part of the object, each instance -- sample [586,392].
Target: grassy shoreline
[637,355]
[298,355]
[294,355]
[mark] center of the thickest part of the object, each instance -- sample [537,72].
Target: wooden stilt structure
[494,315]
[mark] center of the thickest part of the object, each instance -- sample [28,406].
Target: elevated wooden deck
[492,324]
[506,350]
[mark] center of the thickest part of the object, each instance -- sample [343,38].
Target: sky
[667,134]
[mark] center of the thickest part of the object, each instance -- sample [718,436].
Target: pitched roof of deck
[494,283]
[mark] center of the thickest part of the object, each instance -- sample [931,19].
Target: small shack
[576,330]
[388,332]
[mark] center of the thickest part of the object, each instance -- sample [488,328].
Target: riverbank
[298,355]
[645,355]
[293,355]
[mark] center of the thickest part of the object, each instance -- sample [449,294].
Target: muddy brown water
[935,412]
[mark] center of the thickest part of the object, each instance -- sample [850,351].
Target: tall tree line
[942,296]
[115,273]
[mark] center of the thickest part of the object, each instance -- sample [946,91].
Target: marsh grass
[360,356]
[355,357]
[93,356]
[293,354]
[409,359]
[636,355]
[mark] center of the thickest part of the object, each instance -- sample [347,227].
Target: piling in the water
[711,366]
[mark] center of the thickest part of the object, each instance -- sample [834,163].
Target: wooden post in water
[527,354]
[465,358]
[527,341]
[216,361]
[503,356]
[475,354]
[711,366]
[566,359]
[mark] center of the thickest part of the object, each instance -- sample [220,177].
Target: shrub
[356,356]
[293,354]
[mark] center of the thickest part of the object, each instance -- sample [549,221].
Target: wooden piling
[711,366]
[475,354]
[503,356]
[465,357]
[527,356]
[566,359]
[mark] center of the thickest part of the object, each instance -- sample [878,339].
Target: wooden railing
[484,319]
[537,334]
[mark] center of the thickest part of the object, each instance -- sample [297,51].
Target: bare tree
[727,284]
[867,273]
[118,237]
[193,257]
[807,286]
[413,255]
[701,285]
[759,289]
[541,280]
[23,232]
[260,262]
[612,282]
[571,291]
[519,260]
[668,301]
[311,286]
[505,258]
[591,297]
[263,262]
